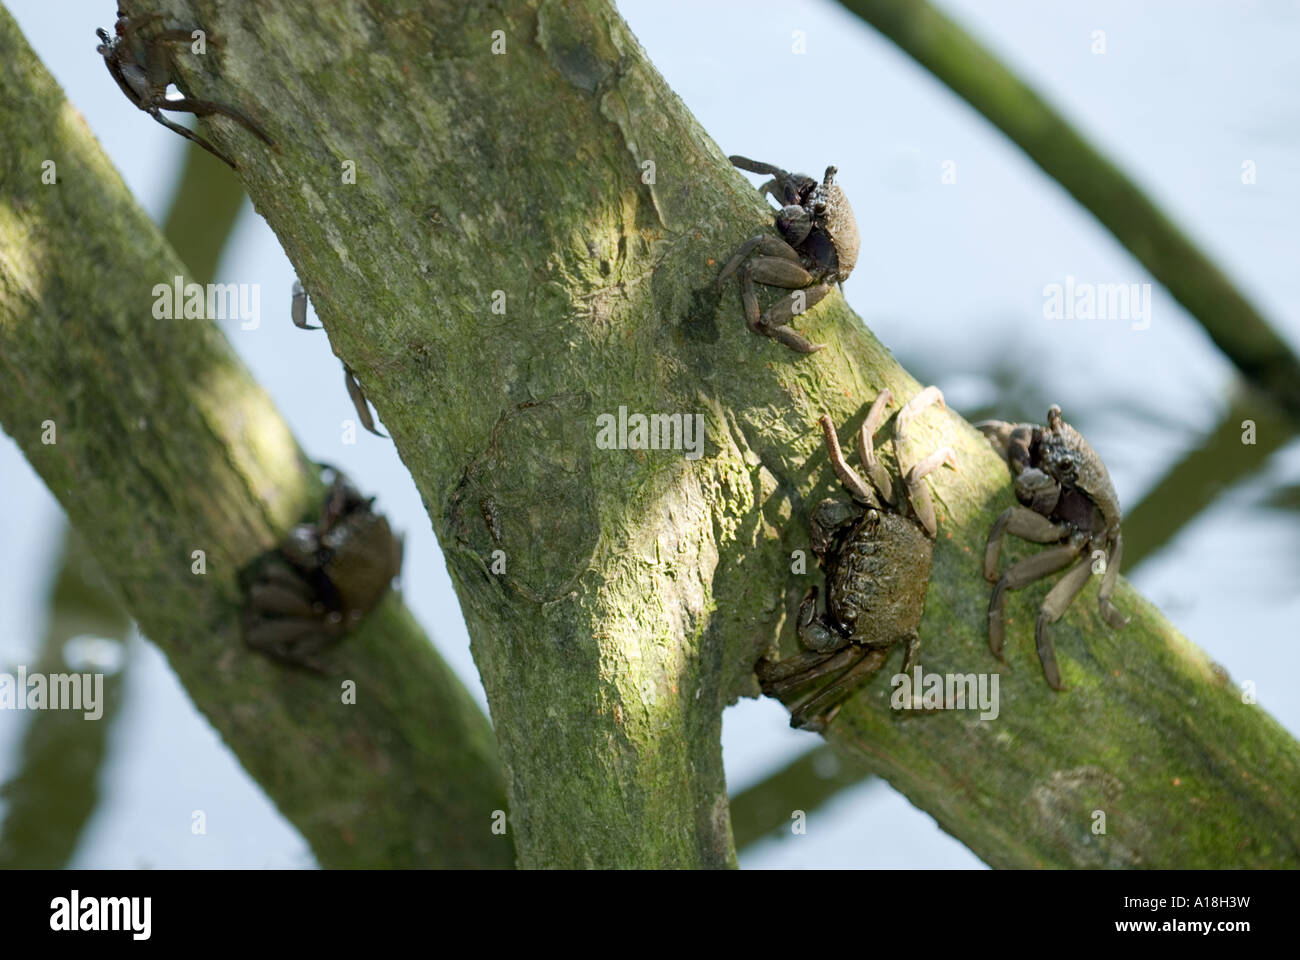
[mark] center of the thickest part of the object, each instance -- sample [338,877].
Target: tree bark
[162,446]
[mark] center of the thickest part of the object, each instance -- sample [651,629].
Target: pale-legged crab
[1067,500]
[319,583]
[298,312]
[141,63]
[817,246]
[876,560]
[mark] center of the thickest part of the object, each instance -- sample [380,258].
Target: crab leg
[205,108]
[867,449]
[765,244]
[914,406]
[775,322]
[749,300]
[1022,574]
[190,135]
[1024,523]
[918,495]
[754,166]
[826,701]
[281,600]
[779,272]
[299,309]
[1057,600]
[1108,611]
[830,664]
[359,401]
[848,476]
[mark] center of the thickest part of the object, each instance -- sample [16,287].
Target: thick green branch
[530,243]
[158,444]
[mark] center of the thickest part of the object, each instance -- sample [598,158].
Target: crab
[817,246]
[143,68]
[1066,500]
[298,312]
[314,588]
[876,560]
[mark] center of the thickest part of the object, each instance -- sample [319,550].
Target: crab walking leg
[914,406]
[299,308]
[847,475]
[836,663]
[818,709]
[918,495]
[776,321]
[755,166]
[1055,604]
[766,245]
[281,600]
[1107,609]
[876,471]
[359,401]
[772,674]
[1021,574]
[779,272]
[190,135]
[1024,523]
[205,108]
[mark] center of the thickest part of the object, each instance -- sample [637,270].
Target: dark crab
[1067,500]
[877,566]
[142,66]
[322,580]
[298,311]
[817,246]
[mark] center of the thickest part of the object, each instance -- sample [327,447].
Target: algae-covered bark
[510,228]
[158,444]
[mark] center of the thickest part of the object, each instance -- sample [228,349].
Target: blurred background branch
[54,791]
